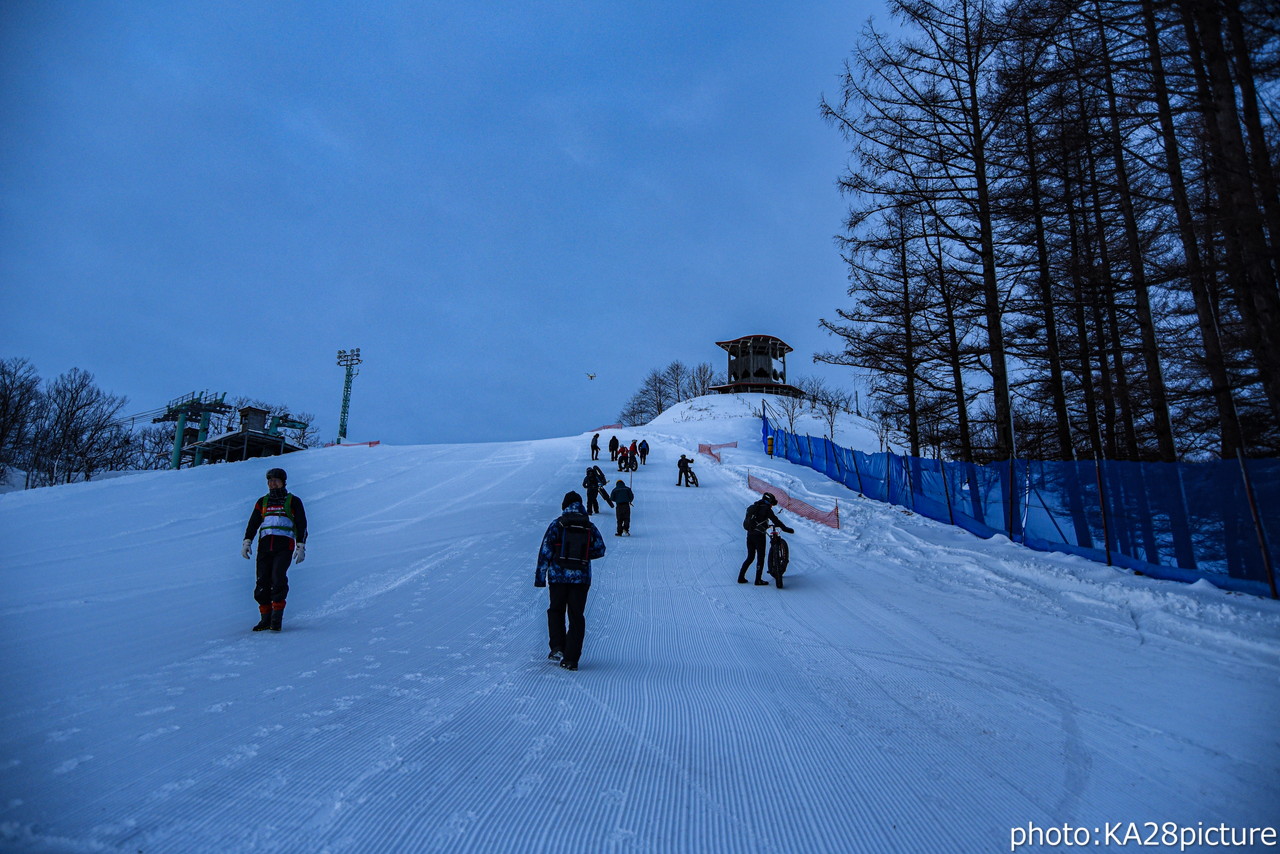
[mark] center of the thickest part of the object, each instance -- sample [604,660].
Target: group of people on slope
[626,456]
[570,543]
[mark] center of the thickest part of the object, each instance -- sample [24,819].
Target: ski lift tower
[347,359]
[202,406]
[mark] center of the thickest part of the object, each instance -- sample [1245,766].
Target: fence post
[1009,508]
[1257,524]
[946,493]
[913,476]
[1102,505]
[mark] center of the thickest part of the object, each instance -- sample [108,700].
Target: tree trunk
[1197,280]
[1248,259]
[1146,324]
[1044,281]
[1259,152]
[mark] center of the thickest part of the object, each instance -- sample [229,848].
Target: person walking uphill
[280,522]
[595,483]
[622,499]
[759,517]
[613,447]
[564,568]
[682,471]
[595,447]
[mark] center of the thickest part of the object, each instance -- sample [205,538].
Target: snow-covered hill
[913,688]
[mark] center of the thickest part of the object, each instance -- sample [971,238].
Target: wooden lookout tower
[757,363]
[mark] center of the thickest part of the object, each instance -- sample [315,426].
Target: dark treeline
[665,387]
[1064,228]
[67,429]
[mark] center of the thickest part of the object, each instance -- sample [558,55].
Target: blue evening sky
[490,199]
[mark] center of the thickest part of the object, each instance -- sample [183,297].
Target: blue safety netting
[1182,521]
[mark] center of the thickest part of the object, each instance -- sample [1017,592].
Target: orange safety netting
[710,450]
[795,505]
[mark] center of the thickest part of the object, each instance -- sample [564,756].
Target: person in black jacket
[759,517]
[280,522]
[595,447]
[593,483]
[613,447]
[603,482]
[682,471]
[622,499]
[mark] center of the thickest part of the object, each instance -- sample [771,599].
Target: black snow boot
[265,622]
[277,617]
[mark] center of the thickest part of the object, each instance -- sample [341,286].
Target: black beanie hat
[277,473]
[570,498]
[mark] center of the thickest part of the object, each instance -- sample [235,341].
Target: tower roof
[775,347]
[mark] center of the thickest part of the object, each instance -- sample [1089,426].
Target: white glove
[299,552]
[245,548]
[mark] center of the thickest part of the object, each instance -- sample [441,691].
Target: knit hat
[570,498]
[277,473]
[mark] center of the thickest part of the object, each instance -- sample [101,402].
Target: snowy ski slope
[912,690]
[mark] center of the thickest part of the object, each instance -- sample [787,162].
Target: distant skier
[623,498]
[644,451]
[280,522]
[564,566]
[595,447]
[613,447]
[759,516]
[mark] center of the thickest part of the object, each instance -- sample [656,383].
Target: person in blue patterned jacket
[564,567]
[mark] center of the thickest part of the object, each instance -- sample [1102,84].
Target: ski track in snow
[900,695]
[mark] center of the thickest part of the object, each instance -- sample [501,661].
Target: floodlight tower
[347,359]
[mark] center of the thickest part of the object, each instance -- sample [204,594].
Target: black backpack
[757,518]
[575,541]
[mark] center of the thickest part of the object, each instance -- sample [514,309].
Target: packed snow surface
[913,689]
